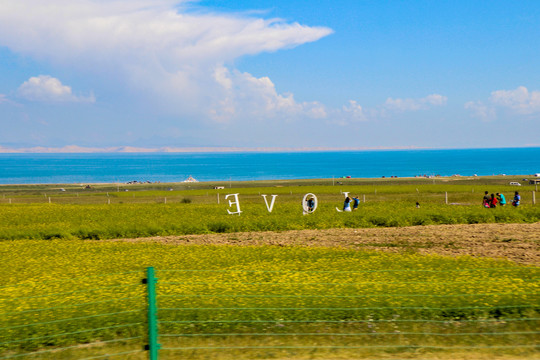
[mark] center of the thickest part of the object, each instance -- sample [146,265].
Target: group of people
[491,201]
[347,204]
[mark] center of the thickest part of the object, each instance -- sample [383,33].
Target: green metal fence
[243,314]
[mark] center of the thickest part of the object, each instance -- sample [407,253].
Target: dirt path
[516,242]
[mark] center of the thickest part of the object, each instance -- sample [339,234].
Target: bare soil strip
[516,242]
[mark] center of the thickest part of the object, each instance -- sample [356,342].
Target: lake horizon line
[74,149]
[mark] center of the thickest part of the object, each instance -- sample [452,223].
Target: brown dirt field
[516,242]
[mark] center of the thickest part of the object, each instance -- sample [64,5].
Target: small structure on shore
[190,179]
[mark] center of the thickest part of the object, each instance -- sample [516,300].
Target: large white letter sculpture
[346,194]
[271,207]
[306,207]
[235,202]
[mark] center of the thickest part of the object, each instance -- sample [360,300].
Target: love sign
[309,203]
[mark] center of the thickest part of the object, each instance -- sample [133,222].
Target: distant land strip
[204,149]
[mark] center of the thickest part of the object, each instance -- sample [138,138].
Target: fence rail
[82,317]
[237,313]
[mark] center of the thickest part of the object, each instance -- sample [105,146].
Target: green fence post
[153,345]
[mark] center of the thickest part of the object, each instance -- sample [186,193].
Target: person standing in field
[517,199]
[347,204]
[493,201]
[502,199]
[356,202]
[485,200]
[311,204]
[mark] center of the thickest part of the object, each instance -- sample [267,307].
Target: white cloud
[3,99]
[159,48]
[355,111]
[315,110]
[519,101]
[402,105]
[480,110]
[48,89]
[246,96]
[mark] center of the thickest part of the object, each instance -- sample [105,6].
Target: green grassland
[61,289]
[298,302]
[107,211]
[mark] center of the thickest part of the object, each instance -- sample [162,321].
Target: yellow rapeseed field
[289,302]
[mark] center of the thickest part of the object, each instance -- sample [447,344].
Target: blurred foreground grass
[273,302]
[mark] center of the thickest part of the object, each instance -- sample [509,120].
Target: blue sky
[147,75]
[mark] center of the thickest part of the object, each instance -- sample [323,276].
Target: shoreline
[338,180]
[74,149]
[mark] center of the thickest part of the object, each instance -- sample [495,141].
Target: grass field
[44,212]
[294,296]
[62,289]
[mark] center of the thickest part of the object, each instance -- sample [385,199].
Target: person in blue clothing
[517,199]
[311,204]
[356,202]
[502,199]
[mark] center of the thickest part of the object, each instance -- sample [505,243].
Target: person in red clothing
[493,201]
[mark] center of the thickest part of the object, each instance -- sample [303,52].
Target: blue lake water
[174,167]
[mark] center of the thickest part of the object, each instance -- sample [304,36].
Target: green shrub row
[53,221]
